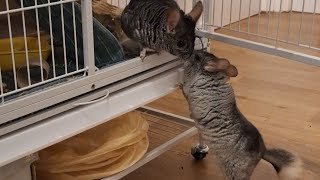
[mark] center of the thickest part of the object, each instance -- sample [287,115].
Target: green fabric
[108,51]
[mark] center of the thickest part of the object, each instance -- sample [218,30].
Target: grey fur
[236,143]
[145,21]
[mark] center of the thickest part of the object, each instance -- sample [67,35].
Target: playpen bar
[230,20]
[289,25]
[185,5]
[34,7]
[313,22]
[204,15]
[268,17]
[75,36]
[240,15]
[1,86]
[208,13]
[214,7]
[63,40]
[51,39]
[249,16]
[39,41]
[222,5]
[278,26]
[25,43]
[258,29]
[11,46]
[301,18]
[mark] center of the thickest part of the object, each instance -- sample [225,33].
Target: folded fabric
[131,155]
[99,152]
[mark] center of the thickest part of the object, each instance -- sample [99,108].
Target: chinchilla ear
[215,65]
[232,71]
[196,11]
[221,65]
[173,18]
[224,65]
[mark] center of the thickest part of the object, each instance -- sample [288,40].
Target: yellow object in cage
[20,51]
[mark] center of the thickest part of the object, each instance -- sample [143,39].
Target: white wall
[308,7]
[119,3]
[274,5]
[231,11]
[296,6]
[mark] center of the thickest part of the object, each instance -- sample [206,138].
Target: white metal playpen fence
[288,28]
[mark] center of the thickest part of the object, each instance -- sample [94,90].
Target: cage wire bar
[19,77]
[283,27]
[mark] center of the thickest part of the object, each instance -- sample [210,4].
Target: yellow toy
[20,52]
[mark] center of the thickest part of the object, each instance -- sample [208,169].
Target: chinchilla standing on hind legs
[234,141]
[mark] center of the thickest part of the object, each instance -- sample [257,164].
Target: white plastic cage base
[76,121]
[18,170]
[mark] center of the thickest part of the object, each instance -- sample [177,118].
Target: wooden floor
[281,97]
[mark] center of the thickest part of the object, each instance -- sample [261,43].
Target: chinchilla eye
[181,44]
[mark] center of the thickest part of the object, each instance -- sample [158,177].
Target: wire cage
[42,43]
[54,50]
[37,46]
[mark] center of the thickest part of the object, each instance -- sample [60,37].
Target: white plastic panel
[75,121]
